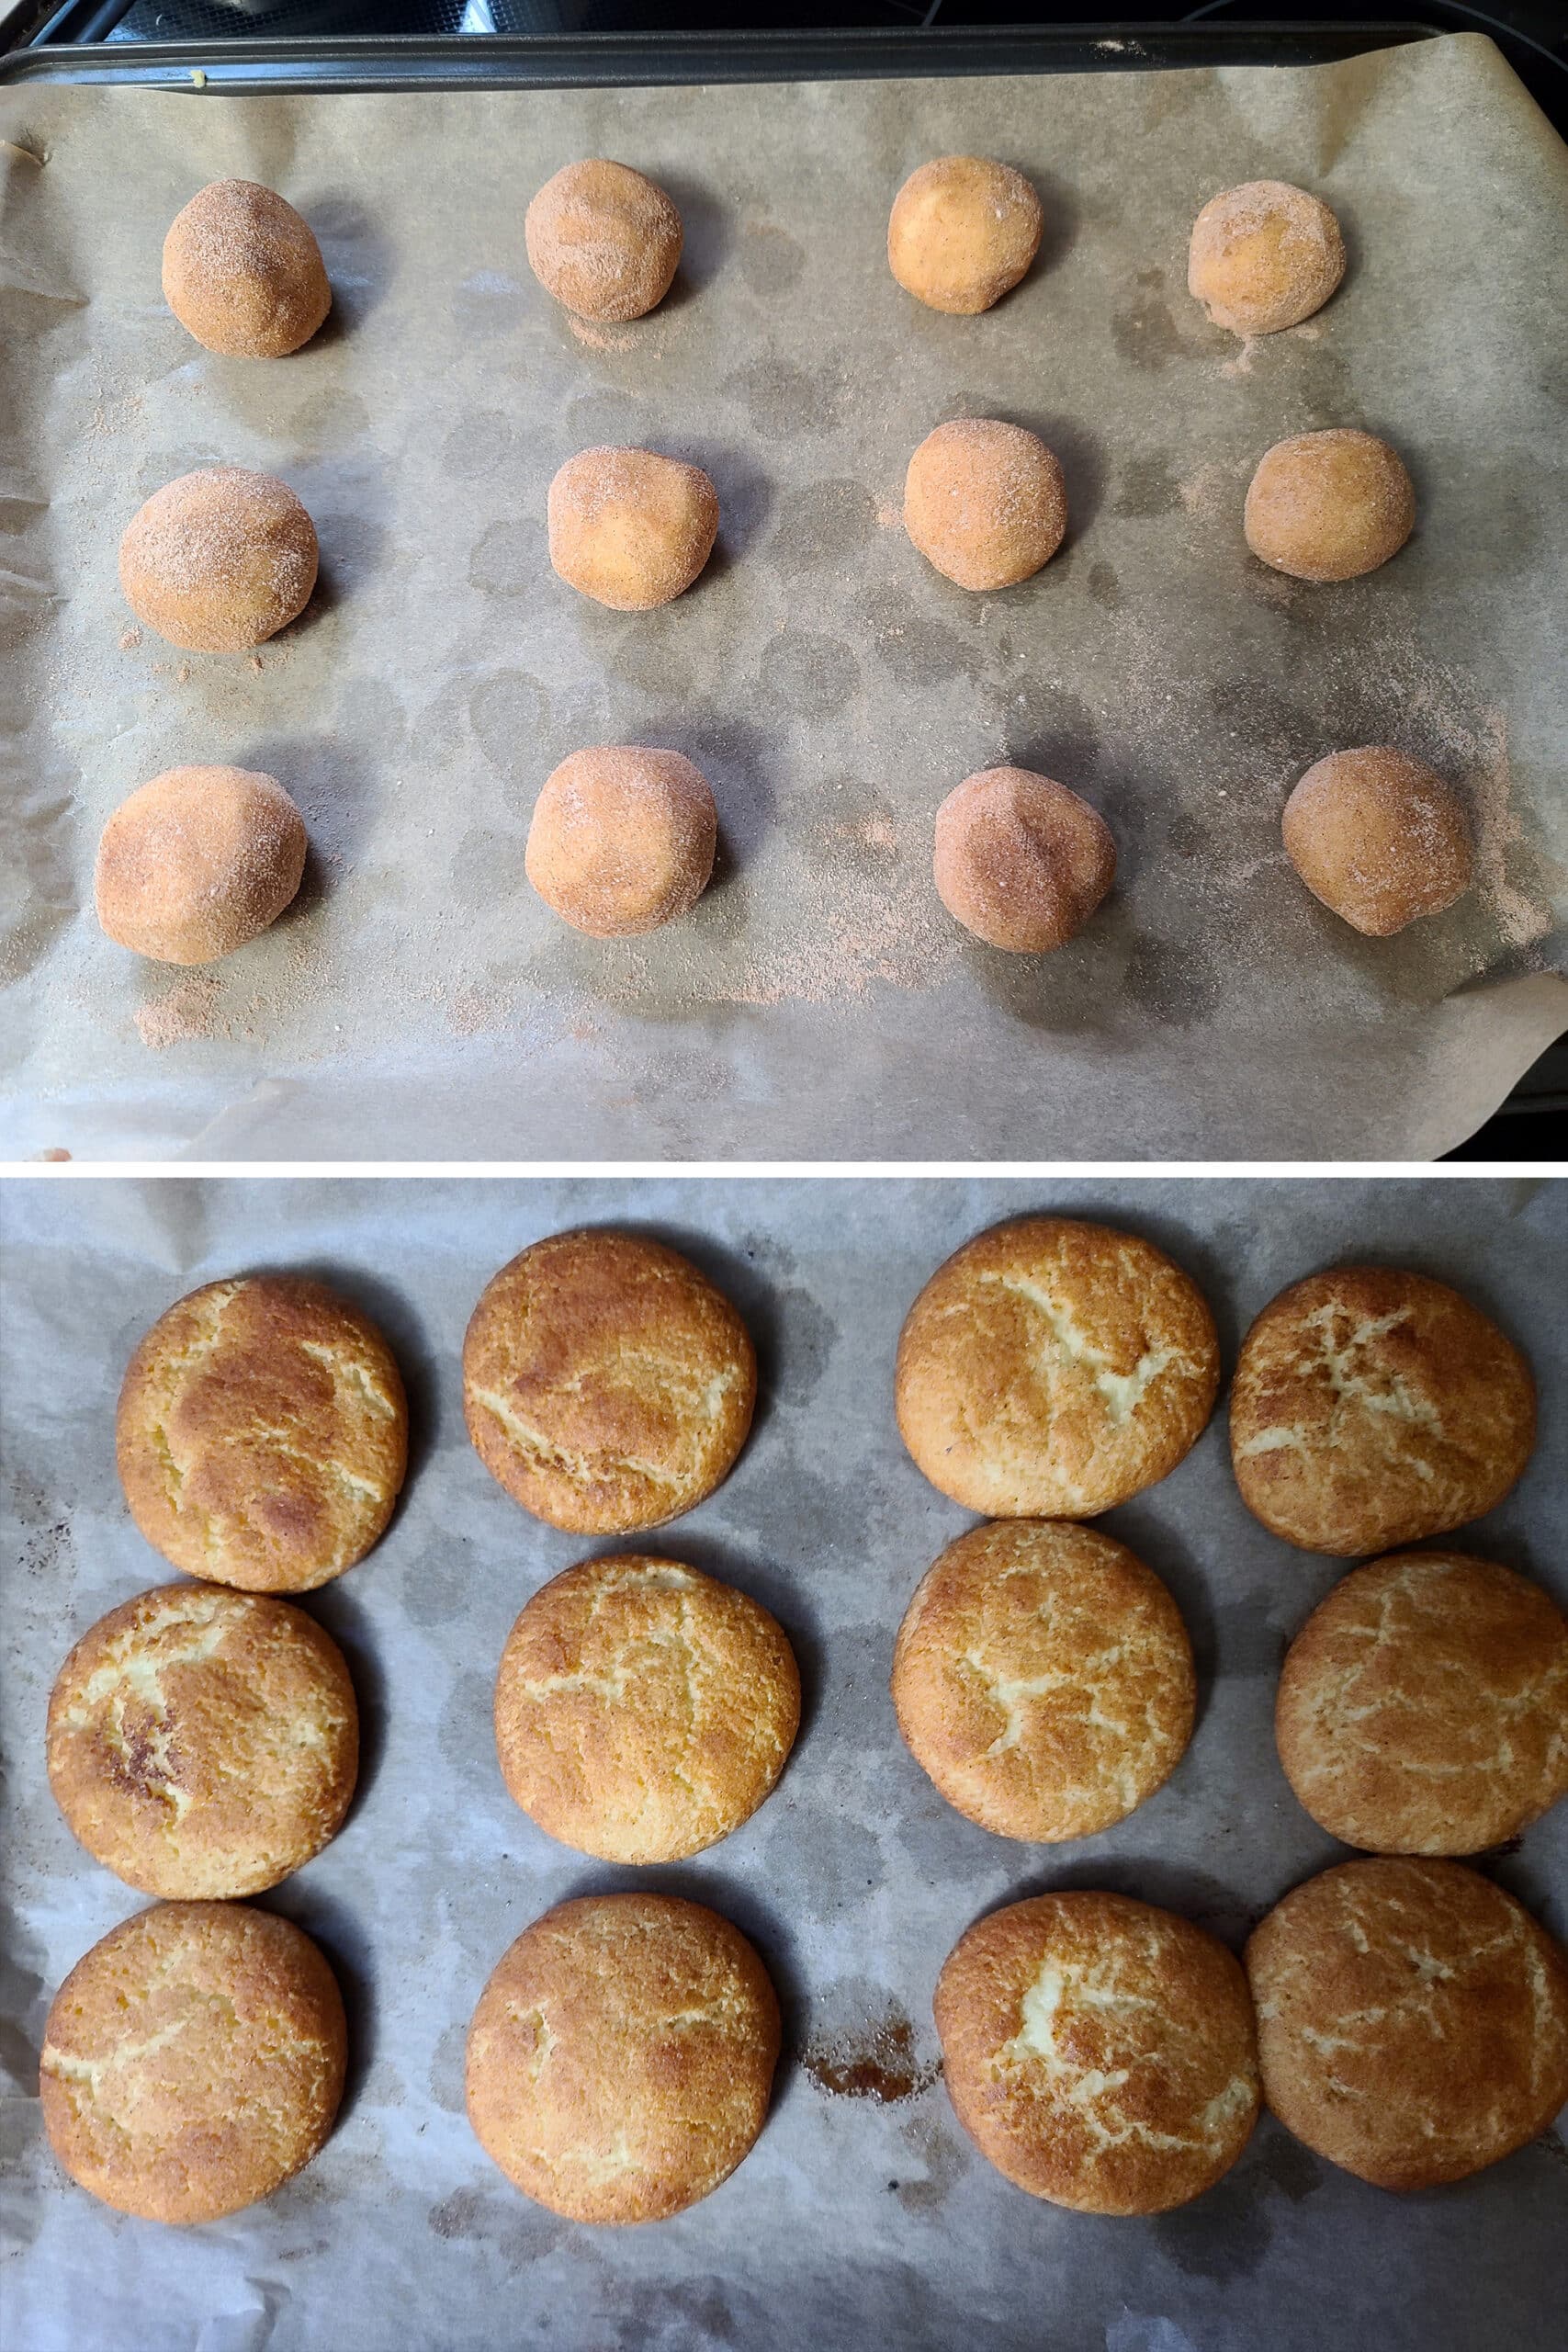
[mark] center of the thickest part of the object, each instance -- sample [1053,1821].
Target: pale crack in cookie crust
[1100,2051]
[1051,1369]
[1372,1408]
[607,1384]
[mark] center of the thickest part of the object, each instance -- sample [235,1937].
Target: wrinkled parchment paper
[421,1001]
[857,2220]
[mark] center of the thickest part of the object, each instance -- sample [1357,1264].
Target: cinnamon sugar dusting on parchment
[184,1012]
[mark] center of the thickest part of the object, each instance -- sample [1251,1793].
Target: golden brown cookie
[1423,1707]
[630,528]
[1412,2020]
[985,502]
[197,862]
[262,1433]
[242,272]
[219,561]
[1052,1368]
[1042,1677]
[1379,838]
[621,2057]
[193,2061]
[1327,506]
[1264,255]
[643,1710]
[1019,860]
[1099,2053]
[622,839]
[602,240]
[962,232]
[606,1384]
[203,1743]
[1373,1407]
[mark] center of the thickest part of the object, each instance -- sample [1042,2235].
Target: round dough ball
[243,274]
[621,2057]
[1264,255]
[1379,838]
[607,1386]
[629,529]
[193,2061]
[985,502]
[1423,1707]
[1052,1369]
[198,862]
[1099,2053]
[203,1743]
[1020,861]
[1042,1677]
[1372,1408]
[1412,2020]
[643,1710]
[1329,506]
[262,1434]
[622,840]
[219,561]
[603,241]
[962,232]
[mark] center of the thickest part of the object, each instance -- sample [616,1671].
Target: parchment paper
[421,1001]
[857,2220]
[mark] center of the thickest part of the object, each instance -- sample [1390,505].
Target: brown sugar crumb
[129,640]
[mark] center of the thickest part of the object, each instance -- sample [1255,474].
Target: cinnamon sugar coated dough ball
[622,840]
[1423,1707]
[198,862]
[1329,506]
[629,529]
[1373,1407]
[262,1434]
[1379,838]
[962,231]
[1019,860]
[621,2057]
[242,272]
[1264,255]
[219,561]
[1099,2053]
[193,2061]
[643,1710]
[985,502]
[1042,1677]
[1412,2020]
[607,1384]
[203,1743]
[603,241]
[1051,1369]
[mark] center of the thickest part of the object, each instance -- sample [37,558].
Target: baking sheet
[857,2220]
[421,1001]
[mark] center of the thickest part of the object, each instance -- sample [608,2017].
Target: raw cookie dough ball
[1052,1369]
[622,839]
[621,2057]
[629,529]
[962,231]
[985,502]
[1372,1408]
[1264,255]
[1329,506]
[1042,1677]
[198,862]
[193,2061]
[219,561]
[606,1384]
[1412,2020]
[262,1434]
[643,1710]
[1379,838]
[203,1743]
[603,241]
[1423,1707]
[1020,861]
[243,274]
[1099,2053]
